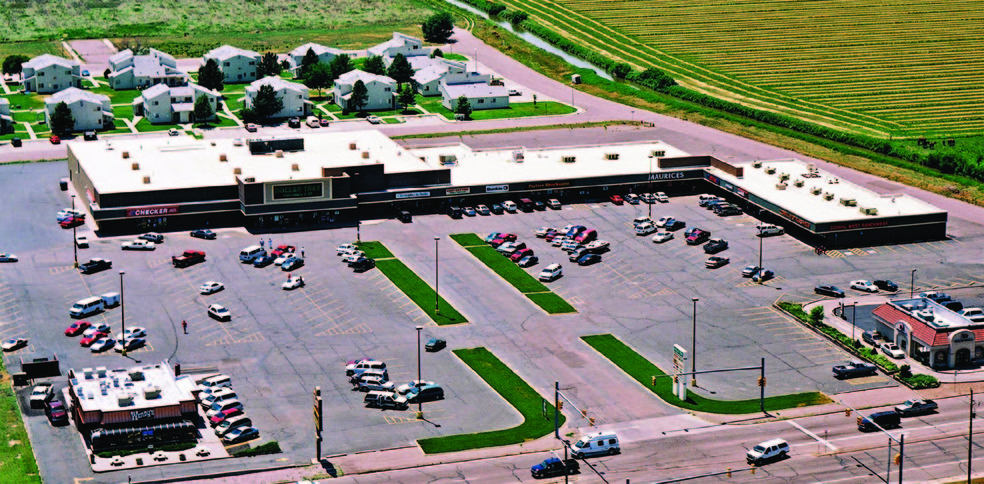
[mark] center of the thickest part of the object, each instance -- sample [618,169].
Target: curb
[215,475]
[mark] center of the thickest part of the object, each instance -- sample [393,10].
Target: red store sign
[152,211]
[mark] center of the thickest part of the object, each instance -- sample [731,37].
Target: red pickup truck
[188,258]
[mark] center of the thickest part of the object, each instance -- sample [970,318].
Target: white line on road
[811,434]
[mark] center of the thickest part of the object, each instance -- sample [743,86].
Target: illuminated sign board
[305,190]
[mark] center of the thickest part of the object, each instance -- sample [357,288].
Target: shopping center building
[334,179]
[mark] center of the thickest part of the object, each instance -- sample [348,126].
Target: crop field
[902,68]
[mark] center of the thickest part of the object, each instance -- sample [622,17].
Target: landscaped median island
[515,275]
[514,390]
[643,371]
[17,462]
[411,284]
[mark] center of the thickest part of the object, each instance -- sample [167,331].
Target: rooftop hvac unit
[135,166]
[568,159]
[146,180]
[101,371]
[237,171]
[449,160]
[780,186]
[249,179]
[294,167]
[519,156]
[278,154]
[611,156]
[222,157]
[353,147]
[237,142]
[152,391]
[812,168]
[869,210]
[136,375]
[848,202]
[87,373]
[756,164]
[126,154]
[658,153]
[124,399]
[770,170]
[828,196]
[365,155]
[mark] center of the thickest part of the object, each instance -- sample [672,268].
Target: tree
[203,109]
[375,65]
[400,70]
[210,77]
[62,120]
[319,77]
[359,98]
[464,107]
[107,72]
[309,60]
[437,53]
[249,115]
[438,27]
[407,97]
[267,103]
[269,65]
[621,69]
[12,63]
[341,64]
[284,65]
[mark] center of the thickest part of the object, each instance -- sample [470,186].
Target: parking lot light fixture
[75,245]
[650,201]
[912,283]
[437,277]
[122,314]
[693,347]
[420,405]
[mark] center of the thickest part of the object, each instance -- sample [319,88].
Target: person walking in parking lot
[184,326]
[302,251]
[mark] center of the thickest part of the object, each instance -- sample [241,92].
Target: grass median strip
[642,370]
[411,284]
[514,390]
[17,464]
[515,275]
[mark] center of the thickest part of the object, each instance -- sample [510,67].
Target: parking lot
[279,345]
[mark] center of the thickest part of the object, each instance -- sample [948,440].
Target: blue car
[263,260]
[292,264]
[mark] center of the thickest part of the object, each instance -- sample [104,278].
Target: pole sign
[679,366]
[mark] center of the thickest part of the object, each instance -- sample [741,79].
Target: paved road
[95,54]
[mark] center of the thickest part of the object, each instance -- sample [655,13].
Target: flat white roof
[111,390]
[476,167]
[815,208]
[934,314]
[183,162]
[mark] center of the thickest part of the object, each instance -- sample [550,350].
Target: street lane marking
[811,434]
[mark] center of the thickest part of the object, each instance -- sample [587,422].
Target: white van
[362,366]
[769,229]
[770,449]
[510,206]
[312,122]
[596,444]
[217,396]
[250,253]
[703,200]
[229,424]
[214,383]
[86,307]
[111,299]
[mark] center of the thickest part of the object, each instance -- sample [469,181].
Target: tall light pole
[437,276]
[75,245]
[760,252]
[693,347]
[854,319]
[632,116]
[970,436]
[650,201]
[420,405]
[912,283]
[122,313]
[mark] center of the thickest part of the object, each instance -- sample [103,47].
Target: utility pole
[557,410]
[762,387]
[970,436]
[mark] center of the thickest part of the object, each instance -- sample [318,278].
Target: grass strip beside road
[17,464]
[375,250]
[514,390]
[551,303]
[642,370]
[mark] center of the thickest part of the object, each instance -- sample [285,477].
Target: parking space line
[769,323]
[833,253]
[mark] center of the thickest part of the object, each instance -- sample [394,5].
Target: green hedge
[272,447]
[920,382]
[796,310]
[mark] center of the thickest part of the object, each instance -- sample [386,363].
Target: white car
[68,212]
[293,282]
[598,245]
[551,272]
[96,328]
[631,198]
[661,237]
[863,285]
[891,349]
[211,287]
[483,210]
[219,312]
[82,241]
[354,256]
[286,256]
[134,332]
[102,345]
[406,387]
[645,229]
[648,198]
[542,231]
[661,197]
[663,221]
[8,257]
[138,244]
[567,228]
[345,249]
[558,241]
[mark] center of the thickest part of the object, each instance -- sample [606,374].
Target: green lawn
[394,120]
[27,116]
[235,102]
[515,110]
[551,302]
[514,390]
[17,464]
[123,112]
[145,126]
[385,112]
[25,101]
[467,240]
[642,370]
[117,97]
[375,250]
[219,122]
[31,49]
[454,57]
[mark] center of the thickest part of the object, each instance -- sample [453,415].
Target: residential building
[237,65]
[382,90]
[427,81]
[476,88]
[296,57]
[400,44]
[46,74]
[167,104]
[6,120]
[91,111]
[130,71]
[294,96]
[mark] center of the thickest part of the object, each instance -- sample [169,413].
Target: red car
[617,200]
[54,140]
[519,254]
[72,222]
[223,415]
[509,237]
[77,328]
[282,249]
[89,340]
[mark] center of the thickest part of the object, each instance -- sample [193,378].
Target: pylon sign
[680,366]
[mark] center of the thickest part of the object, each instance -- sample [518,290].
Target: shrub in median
[267,448]
[845,341]
[919,382]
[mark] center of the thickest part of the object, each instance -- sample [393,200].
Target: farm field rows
[906,68]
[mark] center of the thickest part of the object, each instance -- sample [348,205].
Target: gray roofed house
[91,111]
[427,80]
[476,88]
[131,72]
[162,104]
[399,44]
[296,56]
[293,95]
[237,65]
[6,120]
[382,90]
[46,74]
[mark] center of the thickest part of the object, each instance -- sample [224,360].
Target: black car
[363,264]
[95,265]
[435,344]
[827,290]
[715,246]
[887,285]
[153,237]
[588,259]
[89,136]
[55,410]
[727,210]
[539,205]
[203,234]
[263,260]
[675,225]
[293,123]
[496,209]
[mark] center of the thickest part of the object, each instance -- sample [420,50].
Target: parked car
[554,204]
[616,199]
[632,198]
[483,210]
[13,344]
[496,209]
[103,344]
[292,263]
[41,394]
[435,344]
[828,290]
[863,285]
[55,140]
[886,285]
[95,265]
[77,328]
[542,231]
[294,123]
[211,287]
[203,234]
[363,265]
[293,282]
[81,241]
[4,257]
[853,369]
[138,244]
[645,228]
[675,225]
[552,467]
[412,385]
[251,128]
[661,237]
[763,274]
[153,237]
[70,222]
[217,311]
[588,259]
[241,434]
[373,119]
[470,211]
[893,350]
[551,272]
[290,249]
[89,337]
[750,270]
[698,236]
[56,412]
[528,261]
[916,407]
[263,260]
[520,254]
[715,245]
[129,344]
[599,245]
[661,197]
[426,393]
[716,261]
[375,384]
[89,136]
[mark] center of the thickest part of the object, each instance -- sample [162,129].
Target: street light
[122,313]
[693,348]
[437,277]
[912,283]
[75,245]
[420,405]
[650,200]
